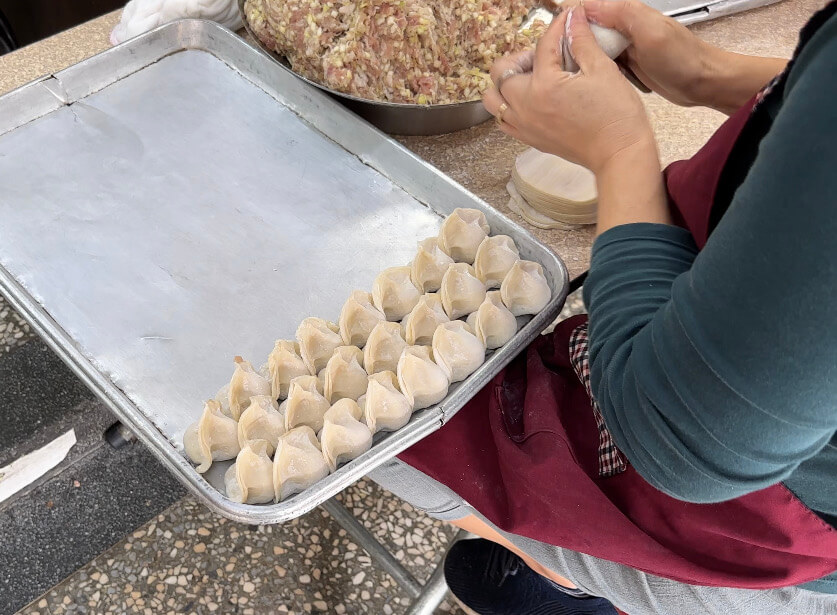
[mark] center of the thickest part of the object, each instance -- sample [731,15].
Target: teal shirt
[716,371]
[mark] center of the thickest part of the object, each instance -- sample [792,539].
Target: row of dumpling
[404,366]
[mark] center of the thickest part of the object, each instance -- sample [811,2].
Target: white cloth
[143,15]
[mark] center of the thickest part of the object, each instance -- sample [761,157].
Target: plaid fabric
[611,459]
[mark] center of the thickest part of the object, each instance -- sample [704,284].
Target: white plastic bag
[143,15]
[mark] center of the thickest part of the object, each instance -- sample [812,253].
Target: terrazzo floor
[187,560]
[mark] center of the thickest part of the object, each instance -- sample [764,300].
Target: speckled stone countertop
[481,158]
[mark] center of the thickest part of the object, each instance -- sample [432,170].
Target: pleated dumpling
[317,340]
[298,462]
[525,289]
[429,265]
[394,293]
[462,292]
[213,437]
[250,479]
[422,381]
[493,323]
[305,404]
[245,383]
[495,257]
[421,322]
[357,318]
[344,375]
[457,350]
[461,234]
[384,406]
[344,435]
[384,347]
[261,421]
[284,364]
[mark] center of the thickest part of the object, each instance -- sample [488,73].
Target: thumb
[581,42]
[620,15]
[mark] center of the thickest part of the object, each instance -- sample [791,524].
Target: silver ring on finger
[509,72]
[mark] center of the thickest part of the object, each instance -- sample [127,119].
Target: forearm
[631,189]
[733,78]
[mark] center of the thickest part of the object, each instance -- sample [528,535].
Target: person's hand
[675,63]
[663,54]
[588,117]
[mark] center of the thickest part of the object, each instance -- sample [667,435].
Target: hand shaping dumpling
[261,421]
[305,404]
[298,462]
[457,350]
[421,322]
[246,382]
[317,340]
[344,435]
[495,257]
[462,292]
[384,347]
[213,437]
[357,319]
[394,293]
[384,406]
[284,364]
[461,234]
[429,265]
[493,323]
[525,289]
[343,374]
[250,479]
[422,381]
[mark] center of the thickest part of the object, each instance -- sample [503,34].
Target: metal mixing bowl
[393,118]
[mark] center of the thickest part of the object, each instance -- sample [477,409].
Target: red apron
[525,453]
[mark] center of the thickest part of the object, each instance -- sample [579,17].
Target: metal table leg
[435,589]
[371,545]
[425,598]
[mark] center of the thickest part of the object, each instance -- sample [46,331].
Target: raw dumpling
[495,257]
[493,323]
[457,350]
[461,234]
[250,479]
[306,404]
[421,322]
[525,289]
[343,374]
[422,381]
[357,319]
[462,292]
[298,462]
[246,382]
[213,437]
[261,421]
[385,345]
[284,364]
[394,293]
[223,398]
[429,266]
[344,435]
[384,406]
[317,340]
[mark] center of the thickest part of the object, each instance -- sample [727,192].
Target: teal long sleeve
[716,371]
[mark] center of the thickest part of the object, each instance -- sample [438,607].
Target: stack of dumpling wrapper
[393,351]
[550,192]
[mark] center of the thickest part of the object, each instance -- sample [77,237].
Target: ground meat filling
[403,51]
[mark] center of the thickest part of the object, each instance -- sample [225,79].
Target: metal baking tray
[181,199]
